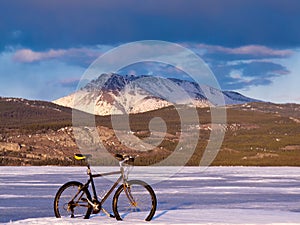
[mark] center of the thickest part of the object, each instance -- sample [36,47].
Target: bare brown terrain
[41,133]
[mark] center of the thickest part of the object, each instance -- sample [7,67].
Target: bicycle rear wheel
[135,202]
[71,201]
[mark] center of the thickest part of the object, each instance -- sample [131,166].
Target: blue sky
[252,46]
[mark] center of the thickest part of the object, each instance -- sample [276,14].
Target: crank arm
[92,204]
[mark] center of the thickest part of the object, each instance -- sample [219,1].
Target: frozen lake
[217,195]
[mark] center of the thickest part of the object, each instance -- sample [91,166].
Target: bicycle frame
[122,178]
[91,181]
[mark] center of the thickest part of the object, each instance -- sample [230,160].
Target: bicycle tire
[66,206]
[144,205]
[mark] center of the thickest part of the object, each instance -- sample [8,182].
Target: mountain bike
[133,199]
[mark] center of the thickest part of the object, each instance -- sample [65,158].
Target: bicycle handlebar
[122,158]
[125,158]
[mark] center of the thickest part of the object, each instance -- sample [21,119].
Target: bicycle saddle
[79,156]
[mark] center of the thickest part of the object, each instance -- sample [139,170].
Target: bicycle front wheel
[136,201]
[71,201]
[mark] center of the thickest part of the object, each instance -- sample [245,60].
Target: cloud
[81,56]
[244,67]
[262,69]
[247,50]
[283,88]
[84,56]
[244,75]
[28,56]
[56,72]
[258,50]
[154,68]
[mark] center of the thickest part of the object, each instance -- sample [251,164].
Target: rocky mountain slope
[116,94]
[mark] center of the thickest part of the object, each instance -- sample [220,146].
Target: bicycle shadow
[171,209]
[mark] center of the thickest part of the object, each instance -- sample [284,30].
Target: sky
[251,46]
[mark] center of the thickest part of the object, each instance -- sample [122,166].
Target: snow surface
[217,195]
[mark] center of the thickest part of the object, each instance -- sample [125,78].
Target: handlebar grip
[119,156]
[131,159]
[125,157]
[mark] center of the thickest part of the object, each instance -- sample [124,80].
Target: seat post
[89,172]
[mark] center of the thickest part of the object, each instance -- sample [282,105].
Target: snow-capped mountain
[117,94]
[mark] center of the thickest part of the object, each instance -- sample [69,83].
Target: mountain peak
[119,94]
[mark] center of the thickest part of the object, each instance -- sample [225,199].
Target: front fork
[127,190]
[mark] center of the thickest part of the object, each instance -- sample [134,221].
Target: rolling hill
[257,133]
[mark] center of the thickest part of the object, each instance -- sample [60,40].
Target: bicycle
[133,199]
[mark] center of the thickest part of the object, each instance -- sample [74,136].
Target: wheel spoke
[137,201]
[71,201]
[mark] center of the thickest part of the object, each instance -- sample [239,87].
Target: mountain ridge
[117,94]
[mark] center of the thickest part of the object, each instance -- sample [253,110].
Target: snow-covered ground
[217,195]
